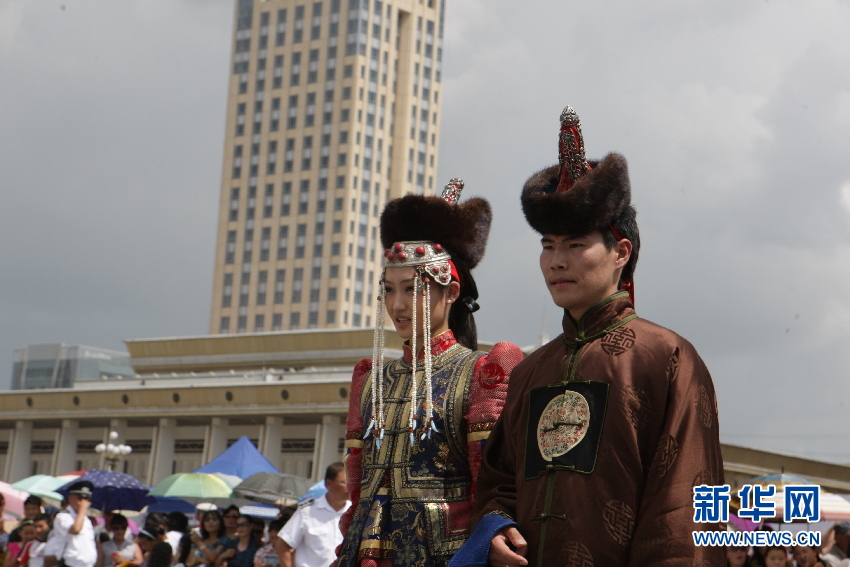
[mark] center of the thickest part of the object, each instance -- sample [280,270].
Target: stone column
[65,448]
[18,458]
[216,440]
[326,450]
[162,450]
[272,436]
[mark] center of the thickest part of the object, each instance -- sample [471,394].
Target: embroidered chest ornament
[418,232]
[565,427]
[562,425]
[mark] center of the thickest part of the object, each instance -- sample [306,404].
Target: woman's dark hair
[258,527]
[277,524]
[118,520]
[461,321]
[160,555]
[215,514]
[185,548]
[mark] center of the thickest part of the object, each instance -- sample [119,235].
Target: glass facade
[61,366]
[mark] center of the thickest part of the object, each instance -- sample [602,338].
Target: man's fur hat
[462,229]
[596,200]
[576,197]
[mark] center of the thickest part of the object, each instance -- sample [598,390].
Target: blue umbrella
[171,504]
[316,491]
[113,491]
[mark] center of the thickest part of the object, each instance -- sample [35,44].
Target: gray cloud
[734,118]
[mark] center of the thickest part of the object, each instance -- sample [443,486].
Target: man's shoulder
[658,336]
[551,348]
[63,520]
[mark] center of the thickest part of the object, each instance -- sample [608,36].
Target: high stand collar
[610,313]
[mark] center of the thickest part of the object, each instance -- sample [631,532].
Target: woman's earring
[450,300]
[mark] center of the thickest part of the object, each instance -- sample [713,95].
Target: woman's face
[119,532]
[27,533]
[144,543]
[212,524]
[775,558]
[243,527]
[736,556]
[398,283]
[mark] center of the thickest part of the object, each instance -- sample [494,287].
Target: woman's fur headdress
[461,228]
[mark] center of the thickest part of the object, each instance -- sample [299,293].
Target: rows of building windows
[367,33]
[302,206]
[263,323]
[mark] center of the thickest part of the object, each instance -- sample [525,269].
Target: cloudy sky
[734,117]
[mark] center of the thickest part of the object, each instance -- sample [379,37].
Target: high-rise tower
[333,109]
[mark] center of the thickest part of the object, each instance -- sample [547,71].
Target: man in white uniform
[313,531]
[74,538]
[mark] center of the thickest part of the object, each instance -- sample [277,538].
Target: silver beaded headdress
[431,263]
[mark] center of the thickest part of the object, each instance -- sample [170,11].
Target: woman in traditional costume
[412,467]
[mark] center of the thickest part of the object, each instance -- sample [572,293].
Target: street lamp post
[112,453]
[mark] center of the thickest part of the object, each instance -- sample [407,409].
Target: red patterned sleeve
[487,394]
[354,441]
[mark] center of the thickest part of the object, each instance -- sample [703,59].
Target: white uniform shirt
[80,549]
[313,532]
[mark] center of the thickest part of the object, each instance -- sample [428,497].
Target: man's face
[338,487]
[842,541]
[31,511]
[579,271]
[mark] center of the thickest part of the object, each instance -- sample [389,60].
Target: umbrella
[171,504]
[14,499]
[279,489]
[260,511]
[832,506]
[200,487]
[113,490]
[315,491]
[43,486]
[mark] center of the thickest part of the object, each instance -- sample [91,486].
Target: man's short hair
[177,521]
[43,518]
[333,470]
[842,528]
[277,524]
[627,225]
[33,500]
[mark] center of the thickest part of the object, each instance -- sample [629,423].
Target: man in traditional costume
[608,428]
[417,425]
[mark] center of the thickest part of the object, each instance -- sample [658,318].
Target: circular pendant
[562,425]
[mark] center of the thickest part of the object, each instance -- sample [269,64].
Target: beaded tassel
[426,331]
[377,422]
[414,401]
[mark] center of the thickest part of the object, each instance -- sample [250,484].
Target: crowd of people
[833,552]
[214,537]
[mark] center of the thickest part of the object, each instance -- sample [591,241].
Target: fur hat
[576,197]
[462,229]
[596,200]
